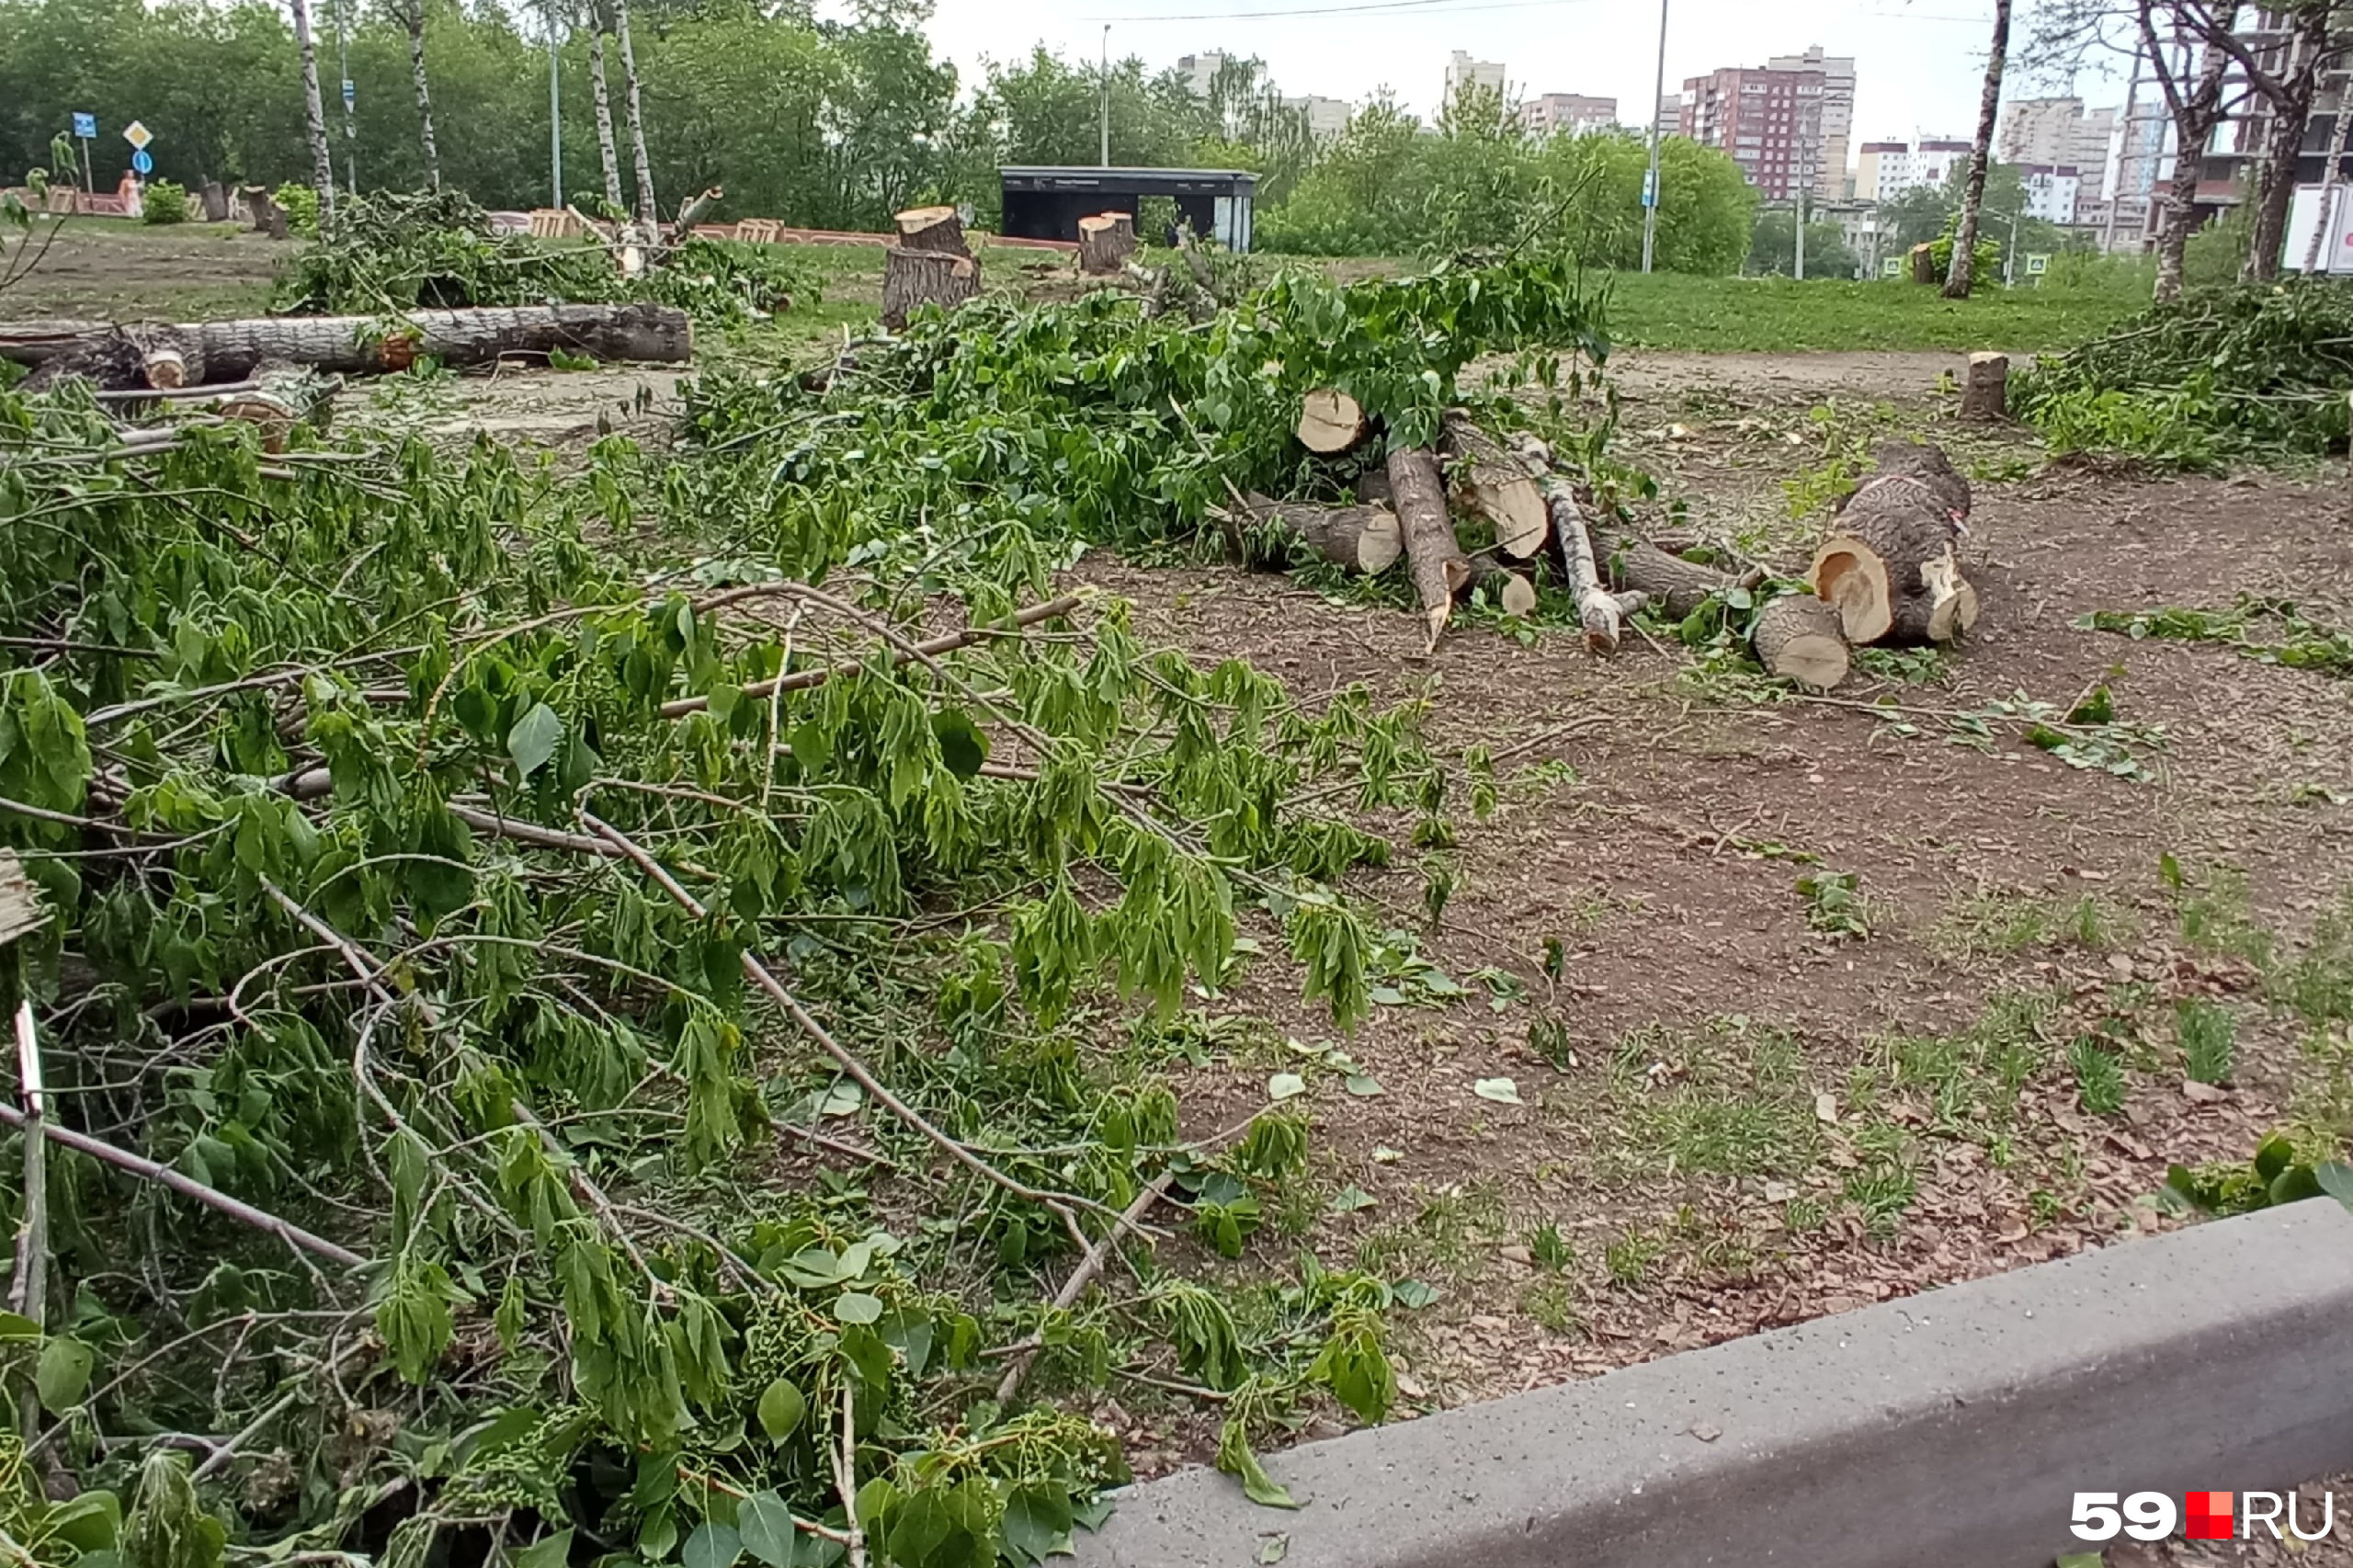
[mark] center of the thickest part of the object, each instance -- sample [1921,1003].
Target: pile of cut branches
[556,1043]
[2227,375]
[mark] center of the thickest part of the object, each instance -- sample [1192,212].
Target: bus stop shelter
[1047,204]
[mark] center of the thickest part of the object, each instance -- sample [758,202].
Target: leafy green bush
[300,202]
[1986,264]
[164,203]
[2216,376]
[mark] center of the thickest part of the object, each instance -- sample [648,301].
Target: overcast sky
[1918,62]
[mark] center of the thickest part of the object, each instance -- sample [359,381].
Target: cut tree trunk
[1431,552]
[690,213]
[648,214]
[149,355]
[1497,484]
[1105,242]
[314,119]
[934,229]
[606,158]
[229,350]
[1330,421]
[1362,538]
[1893,574]
[1632,562]
[1507,588]
[216,201]
[913,279]
[1985,395]
[1798,637]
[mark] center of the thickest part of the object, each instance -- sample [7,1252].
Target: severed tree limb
[1061,1204]
[1025,1353]
[1598,608]
[28,1297]
[187,1186]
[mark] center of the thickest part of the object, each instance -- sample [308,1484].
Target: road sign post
[86,127]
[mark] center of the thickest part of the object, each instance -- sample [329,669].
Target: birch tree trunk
[2194,119]
[2291,109]
[1964,239]
[315,117]
[413,13]
[648,212]
[2336,139]
[611,160]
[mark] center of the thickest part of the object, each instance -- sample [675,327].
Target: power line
[1446,7]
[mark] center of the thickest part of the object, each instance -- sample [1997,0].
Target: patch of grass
[1781,315]
[1628,1259]
[2213,915]
[1908,666]
[1973,1078]
[1736,1109]
[1549,1248]
[2095,924]
[1553,1304]
[2317,985]
[2100,1077]
[1881,1191]
[1989,921]
[1799,1215]
[2209,1039]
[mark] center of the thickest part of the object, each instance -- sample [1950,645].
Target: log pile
[1889,568]
[931,265]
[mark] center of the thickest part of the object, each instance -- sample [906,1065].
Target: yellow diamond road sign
[137,135]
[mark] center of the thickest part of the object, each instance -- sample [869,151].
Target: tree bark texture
[2195,115]
[648,214]
[1633,562]
[932,228]
[1431,553]
[2290,112]
[1362,538]
[315,118]
[608,159]
[1105,242]
[413,15]
[1798,638]
[913,279]
[1964,242]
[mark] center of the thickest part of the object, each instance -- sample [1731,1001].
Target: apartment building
[1886,169]
[1769,121]
[1837,113]
[1462,71]
[1573,112]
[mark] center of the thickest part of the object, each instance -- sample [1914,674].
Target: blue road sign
[1650,187]
[351,93]
[85,126]
[143,161]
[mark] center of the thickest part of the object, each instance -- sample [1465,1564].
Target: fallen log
[1894,573]
[1598,608]
[1330,421]
[913,279]
[1679,586]
[1509,590]
[1497,484]
[1363,539]
[932,229]
[1797,636]
[1105,242]
[1431,553]
[229,350]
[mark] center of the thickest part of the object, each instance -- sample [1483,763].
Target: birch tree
[1964,241]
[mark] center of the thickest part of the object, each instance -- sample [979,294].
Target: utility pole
[555,108]
[1800,233]
[1107,94]
[2123,153]
[1650,180]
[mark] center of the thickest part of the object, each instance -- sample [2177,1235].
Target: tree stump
[913,279]
[216,201]
[1985,395]
[1924,265]
[1105,242]
[932,229]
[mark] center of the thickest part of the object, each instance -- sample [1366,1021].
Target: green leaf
[764,1521]
[713,1545]
[534,738]
[783,1406]
[1414,1294]
[1350,1198]
[1285,1086]
[963,747]
[90,1522]
[1274,1548]
[856,1306]
[1364,1085]
[15,1325]
[63,1373]
[2335,1179]
[547,1551]
[1037,1522]
[2079,1560]
[1502,1091]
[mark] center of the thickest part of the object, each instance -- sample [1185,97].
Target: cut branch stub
[1431,552]
[1798,637]
[1330,421]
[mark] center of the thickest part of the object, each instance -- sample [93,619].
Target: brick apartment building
[1769,121]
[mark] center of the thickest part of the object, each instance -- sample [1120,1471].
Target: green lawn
[1780,314]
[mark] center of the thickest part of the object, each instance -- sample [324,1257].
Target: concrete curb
[1945,1430]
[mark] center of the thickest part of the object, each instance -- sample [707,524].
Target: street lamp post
[555,107]
[1650,181]
[1107,94]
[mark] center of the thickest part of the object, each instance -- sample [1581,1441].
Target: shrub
[300,202]
[163,202]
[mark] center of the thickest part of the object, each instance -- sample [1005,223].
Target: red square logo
[2210,1516]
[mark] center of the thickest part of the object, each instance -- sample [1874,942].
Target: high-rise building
[2050,191]
[1572,112]
[1326,117]
[1462,72]
[1837,112]
[2058,131]
[1886,169]
[1768,121]
[1200,69]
